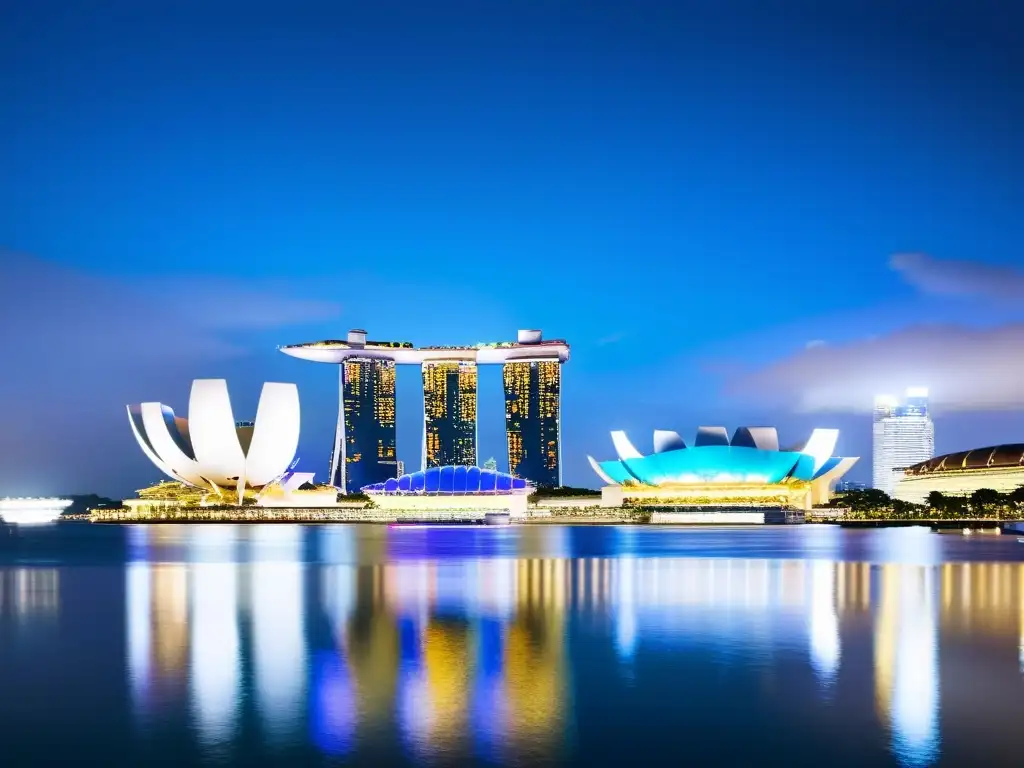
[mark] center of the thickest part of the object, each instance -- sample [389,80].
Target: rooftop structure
[747,471]
[453,487]
[996,467]
[364,450]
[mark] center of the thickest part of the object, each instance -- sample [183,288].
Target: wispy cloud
[966,369]
[613,338]
[949,277]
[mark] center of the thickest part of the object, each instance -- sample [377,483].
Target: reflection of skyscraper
[364,450]
[449,413]
[532,413]
[902,435]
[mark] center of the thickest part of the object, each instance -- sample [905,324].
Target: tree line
[873,504]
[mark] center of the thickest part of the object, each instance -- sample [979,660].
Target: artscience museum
[748,470]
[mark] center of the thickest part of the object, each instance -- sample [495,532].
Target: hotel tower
[364,445]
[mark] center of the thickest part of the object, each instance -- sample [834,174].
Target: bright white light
[625,609]
[278,623]
[215,664]
[32,511]
[824,625]
[915,696]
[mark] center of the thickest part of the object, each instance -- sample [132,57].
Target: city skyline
[729,219]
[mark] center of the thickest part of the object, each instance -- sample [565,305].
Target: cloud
[76,347]
[966,369]
[947,277]
[613,338]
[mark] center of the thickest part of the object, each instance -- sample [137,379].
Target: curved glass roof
[451,480]
[993,456]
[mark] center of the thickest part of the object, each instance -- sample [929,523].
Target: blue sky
[688,192]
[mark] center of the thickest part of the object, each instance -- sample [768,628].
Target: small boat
[1020,541]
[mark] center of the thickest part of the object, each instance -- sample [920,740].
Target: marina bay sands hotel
[364,443]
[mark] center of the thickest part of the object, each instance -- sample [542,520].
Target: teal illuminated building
[747,470]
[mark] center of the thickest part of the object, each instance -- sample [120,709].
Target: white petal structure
[667,440]
[623,447]
[762,438]
[600,472]
[820,445]
[711,436]
[208,450]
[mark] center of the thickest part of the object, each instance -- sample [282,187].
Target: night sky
[735,212]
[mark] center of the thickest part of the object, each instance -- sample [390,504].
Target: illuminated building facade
[449,413]
[902,435]
[532,416]
[364,450]
[747,471]
[996,467]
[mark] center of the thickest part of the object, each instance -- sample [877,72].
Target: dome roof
[751,456]
[451,480]
[991,457]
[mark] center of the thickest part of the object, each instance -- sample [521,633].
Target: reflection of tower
[372,645]
[532,420]
[535,651]
[364,451]
[906,663]
[824,624]
[449,413]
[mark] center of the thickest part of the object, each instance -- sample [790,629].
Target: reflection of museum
[464,655]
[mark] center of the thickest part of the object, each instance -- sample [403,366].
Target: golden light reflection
[457,652]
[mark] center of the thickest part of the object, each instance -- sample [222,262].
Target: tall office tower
[364,450]
[902,435]
[449,413]
[532,416]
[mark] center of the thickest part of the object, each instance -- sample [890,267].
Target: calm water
[260,645]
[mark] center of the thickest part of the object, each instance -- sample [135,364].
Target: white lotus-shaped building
[209,449]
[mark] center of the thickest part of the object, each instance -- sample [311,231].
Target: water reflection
[30,593]
[454,656]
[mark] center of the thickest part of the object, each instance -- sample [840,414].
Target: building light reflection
[215,649]
[823,622]
[279,652]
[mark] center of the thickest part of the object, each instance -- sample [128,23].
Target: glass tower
[532,420]
[364,451]
[902,435]
[449,413]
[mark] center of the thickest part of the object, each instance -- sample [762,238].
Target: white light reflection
[278,622]
[214,635]
[824,624]
[625,595]
[915,695]
[139,626]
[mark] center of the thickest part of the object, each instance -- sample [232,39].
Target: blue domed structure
[451,480]
[748,466]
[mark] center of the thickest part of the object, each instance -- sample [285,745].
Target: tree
[985,500]
[937,502]
[491,464]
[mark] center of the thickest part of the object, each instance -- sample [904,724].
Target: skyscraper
[902,435]
[532,414]
[449,413]
[364,449]
[364,446]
